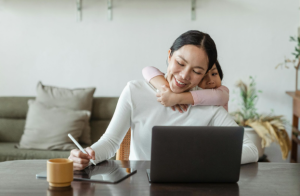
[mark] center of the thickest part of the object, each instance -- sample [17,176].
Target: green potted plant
[262,129]
[296,53]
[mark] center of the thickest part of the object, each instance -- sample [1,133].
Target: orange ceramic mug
[60,191]
[59,172]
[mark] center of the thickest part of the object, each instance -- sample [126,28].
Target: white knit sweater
[138,108]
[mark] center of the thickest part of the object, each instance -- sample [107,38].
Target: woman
[190,57]
[212,91]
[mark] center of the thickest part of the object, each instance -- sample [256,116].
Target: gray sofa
[13,112]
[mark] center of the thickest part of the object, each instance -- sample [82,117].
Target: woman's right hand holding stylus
[81,160]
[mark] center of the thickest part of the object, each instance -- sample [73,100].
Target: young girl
[212,92]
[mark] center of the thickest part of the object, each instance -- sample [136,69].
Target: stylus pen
[78,145]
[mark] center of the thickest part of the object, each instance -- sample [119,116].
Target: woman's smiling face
[187,67]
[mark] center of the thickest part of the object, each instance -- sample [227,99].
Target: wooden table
[18,178]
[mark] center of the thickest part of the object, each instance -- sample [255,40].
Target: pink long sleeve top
[218,96]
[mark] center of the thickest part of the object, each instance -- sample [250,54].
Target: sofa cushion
[98,129]
[75,99]
[104,108]
[47,127]
[14,107]
[9,152]
[11,130]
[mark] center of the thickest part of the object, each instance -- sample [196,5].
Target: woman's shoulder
[140,91]
[136,83]
[139,85]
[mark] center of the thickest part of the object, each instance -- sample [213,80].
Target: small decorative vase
[254,137]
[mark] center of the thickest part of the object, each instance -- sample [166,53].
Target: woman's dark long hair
[199,39]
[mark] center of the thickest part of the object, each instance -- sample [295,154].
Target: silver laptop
[195,154]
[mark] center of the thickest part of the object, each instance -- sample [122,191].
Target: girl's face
[211,79]
[187,67]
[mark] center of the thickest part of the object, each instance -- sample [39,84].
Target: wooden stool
[124,151]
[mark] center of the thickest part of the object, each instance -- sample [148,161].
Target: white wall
[40,40]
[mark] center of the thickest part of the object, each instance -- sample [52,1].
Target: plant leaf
[292,38]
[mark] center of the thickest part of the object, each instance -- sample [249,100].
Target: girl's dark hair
[200,39]
[218,66]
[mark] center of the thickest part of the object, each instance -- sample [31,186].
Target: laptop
[195,154]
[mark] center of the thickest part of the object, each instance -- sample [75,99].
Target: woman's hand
[170,99]
[81,160]
[180,107]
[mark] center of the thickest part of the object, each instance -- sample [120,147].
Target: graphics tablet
[99,174]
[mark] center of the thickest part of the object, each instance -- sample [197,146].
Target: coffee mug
[60,191]
[59,172]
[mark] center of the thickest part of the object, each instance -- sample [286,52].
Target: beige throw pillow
[47,127]
[75,99]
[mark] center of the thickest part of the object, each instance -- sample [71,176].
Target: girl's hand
[166,97]
[170,99]
[81,160]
